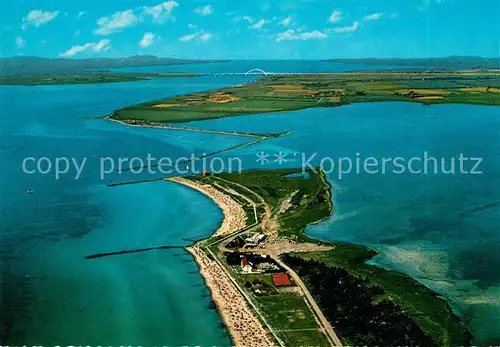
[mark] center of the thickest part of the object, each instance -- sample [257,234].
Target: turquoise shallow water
[49,293]
[441,229]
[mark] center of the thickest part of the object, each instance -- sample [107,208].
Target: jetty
[134,182]
[102,255]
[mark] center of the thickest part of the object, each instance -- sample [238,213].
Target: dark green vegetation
[295,92]
[453,62]
[85,78]
[37,65]
[371,306]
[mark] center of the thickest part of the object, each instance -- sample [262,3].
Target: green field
[304,338]
[294,92]
[287,311]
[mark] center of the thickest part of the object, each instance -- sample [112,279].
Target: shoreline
[219,281]
[234,217]
[243,325]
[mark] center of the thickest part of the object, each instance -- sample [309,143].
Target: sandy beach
[234,215]
[238,317]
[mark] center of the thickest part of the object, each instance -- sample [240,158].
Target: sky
[250,29]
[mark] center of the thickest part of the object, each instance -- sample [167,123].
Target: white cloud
[116,22]
[204,11]
[101,46]
[81,14]
[123,19]
[292,35]
[161,12]
[258,25]
[349,29]
[244,18]
[147,40]
[286,22]
[425,4]
[200,35]
[205,37]
[374,16]
[36,18]
[335,16]
[20,42]
[188,37]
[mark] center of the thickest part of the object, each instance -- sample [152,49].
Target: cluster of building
[255,239]
[256,266]
[280,279]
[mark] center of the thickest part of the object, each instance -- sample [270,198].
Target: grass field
[287,311]
[304,338]
[294,92]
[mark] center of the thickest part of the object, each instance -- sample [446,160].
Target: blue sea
[441,229]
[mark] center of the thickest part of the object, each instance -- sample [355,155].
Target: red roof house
[244,261]
[281,280]
[246,266]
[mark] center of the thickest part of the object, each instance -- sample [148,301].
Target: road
[326,325]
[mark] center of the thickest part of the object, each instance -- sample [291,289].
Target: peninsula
[87,77]
[288,92]
[273,285]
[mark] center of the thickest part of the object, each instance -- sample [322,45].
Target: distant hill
[34,65]
[453,62]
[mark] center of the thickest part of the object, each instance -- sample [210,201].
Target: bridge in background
[254,72]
